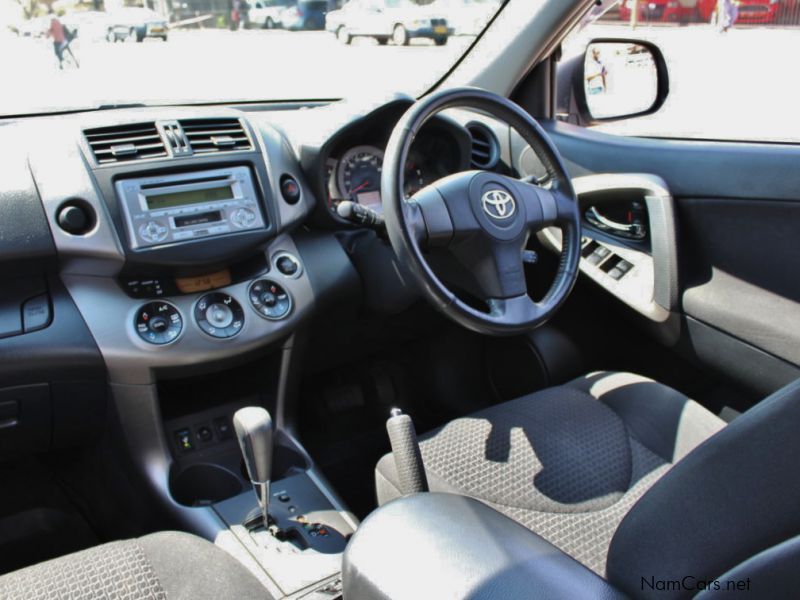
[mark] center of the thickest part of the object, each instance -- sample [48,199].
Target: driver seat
[568,462]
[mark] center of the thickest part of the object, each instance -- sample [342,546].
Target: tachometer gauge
[330,191]
[359,175]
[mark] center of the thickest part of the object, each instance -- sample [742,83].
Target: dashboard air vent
[216,135]
[485,148]
[125,142]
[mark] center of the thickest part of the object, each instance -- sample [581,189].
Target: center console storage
[436,545]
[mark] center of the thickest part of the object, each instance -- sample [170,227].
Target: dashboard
[162,242]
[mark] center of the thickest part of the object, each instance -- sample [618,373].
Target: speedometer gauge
[359,175]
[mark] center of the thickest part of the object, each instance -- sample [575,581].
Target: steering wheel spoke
[432,223]
[518,309]
[546,206]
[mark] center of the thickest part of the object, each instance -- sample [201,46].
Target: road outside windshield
[72,54]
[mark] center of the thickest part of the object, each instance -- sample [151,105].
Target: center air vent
[125,142]
[485,148]
[216,135]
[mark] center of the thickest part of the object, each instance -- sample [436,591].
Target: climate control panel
[219,315]
[158,323]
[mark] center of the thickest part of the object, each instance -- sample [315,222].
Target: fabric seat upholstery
[161,566]
[568,462]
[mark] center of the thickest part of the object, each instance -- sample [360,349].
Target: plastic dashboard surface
[95,265]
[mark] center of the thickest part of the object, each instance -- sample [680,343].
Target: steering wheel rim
[462,214]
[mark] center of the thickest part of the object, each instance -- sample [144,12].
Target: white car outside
[396,20]
[267,13]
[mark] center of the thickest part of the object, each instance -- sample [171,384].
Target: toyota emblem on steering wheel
[498,204]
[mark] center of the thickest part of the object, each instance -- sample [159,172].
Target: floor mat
[344,410]
[37,519]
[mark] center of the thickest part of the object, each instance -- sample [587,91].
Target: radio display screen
[200,219]
[171,200]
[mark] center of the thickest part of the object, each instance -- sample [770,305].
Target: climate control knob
[158,323]
[219,315]
[269,299]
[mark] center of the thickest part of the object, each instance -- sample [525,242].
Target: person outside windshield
[56,31]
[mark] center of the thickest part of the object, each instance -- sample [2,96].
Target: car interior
[455,345]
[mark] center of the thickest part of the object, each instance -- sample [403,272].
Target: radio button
[153,232]
[219,315]
[269,299]
[243,217]
[158,323]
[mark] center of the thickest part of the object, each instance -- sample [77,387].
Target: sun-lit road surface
[741,85]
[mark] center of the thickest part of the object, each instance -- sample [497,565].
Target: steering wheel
[481,221]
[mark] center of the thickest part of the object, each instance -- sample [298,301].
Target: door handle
[633,230]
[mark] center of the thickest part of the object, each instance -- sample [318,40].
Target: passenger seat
[167,565]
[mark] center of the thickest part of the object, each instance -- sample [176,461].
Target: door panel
[738,213]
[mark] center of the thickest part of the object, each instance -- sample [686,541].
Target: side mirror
[615,79]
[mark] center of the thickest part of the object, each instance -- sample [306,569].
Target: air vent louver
[485,149]
[120,143]
[216,135]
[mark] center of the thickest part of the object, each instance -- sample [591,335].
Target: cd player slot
[164,184]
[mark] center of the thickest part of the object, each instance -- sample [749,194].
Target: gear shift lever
[253,426]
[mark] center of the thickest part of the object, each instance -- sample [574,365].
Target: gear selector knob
[253,426]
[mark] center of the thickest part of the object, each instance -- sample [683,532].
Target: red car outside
[685,11]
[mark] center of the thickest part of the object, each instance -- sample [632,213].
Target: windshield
[72,55]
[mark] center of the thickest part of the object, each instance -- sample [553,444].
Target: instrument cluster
[355,173]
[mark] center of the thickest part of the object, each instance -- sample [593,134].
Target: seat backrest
[735,496]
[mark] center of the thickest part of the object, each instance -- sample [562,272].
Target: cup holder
[203,484]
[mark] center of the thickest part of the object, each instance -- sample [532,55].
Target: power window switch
[624,266]
[594,258]
[602,251]
[615,273]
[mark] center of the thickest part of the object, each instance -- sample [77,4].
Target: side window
[729,65]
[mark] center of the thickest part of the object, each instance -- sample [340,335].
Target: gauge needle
[363,185]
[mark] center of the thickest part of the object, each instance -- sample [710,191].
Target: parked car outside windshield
[240,51]
[397,20]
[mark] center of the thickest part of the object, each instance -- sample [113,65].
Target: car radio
[174,208]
